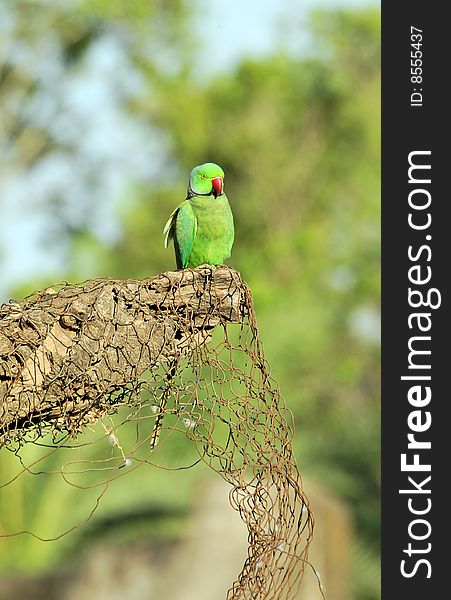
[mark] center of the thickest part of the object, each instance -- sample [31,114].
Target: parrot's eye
[203,176]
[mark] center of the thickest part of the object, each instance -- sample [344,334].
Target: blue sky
[255,27]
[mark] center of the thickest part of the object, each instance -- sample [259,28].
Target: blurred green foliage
[298,139]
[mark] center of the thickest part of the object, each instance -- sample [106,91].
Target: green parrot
[202,226]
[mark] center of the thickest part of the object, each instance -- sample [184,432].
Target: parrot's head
[206,180]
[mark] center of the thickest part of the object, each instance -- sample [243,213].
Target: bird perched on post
[202,226]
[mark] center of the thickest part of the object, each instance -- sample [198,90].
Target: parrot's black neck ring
[192,193]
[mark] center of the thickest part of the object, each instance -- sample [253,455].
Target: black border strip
[419,127]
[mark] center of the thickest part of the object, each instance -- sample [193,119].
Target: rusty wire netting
[176,353]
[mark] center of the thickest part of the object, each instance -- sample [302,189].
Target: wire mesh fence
[135,363]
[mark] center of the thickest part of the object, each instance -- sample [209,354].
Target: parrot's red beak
[217,186]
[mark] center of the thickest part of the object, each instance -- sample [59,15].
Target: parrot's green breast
[214,233]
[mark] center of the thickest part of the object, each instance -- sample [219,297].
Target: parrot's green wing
[181,227]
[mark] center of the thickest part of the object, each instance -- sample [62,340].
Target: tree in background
[71,139]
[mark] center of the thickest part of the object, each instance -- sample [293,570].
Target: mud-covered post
[64,353]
